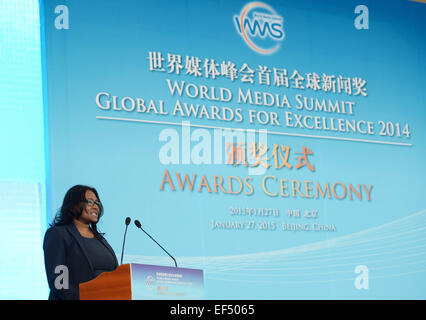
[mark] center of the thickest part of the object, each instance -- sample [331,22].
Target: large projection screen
[278,146]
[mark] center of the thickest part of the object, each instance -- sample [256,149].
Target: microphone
[138,224]
[124,239]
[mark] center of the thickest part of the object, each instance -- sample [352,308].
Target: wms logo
[261,27]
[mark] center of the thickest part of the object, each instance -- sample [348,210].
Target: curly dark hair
[72,207]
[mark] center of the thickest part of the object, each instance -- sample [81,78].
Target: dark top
[101,257]
[69,261]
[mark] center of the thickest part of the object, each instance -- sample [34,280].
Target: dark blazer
[63,246]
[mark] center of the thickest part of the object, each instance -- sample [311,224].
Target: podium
[145,282]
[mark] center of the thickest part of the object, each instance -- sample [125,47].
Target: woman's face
[90,212]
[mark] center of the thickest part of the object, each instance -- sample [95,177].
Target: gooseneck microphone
[124,239]
[138,224]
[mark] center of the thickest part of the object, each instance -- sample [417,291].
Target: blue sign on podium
[159,282]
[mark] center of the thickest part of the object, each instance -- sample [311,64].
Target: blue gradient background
[106,49]
[22,173]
